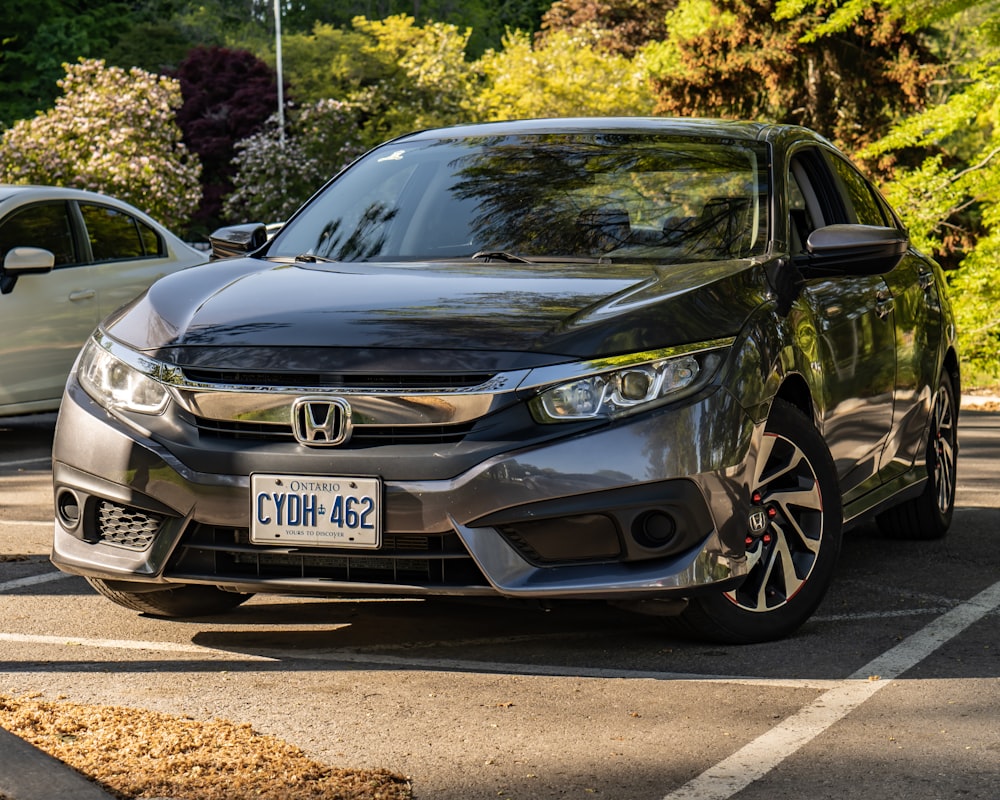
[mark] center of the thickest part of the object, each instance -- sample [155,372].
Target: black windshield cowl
[501,255]
[310,258]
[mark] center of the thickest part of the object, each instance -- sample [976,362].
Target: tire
[180,600]
[928,516]
[793,539]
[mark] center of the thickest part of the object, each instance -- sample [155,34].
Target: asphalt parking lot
[894,686]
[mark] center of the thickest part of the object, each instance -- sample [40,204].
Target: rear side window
[45,225]
[115,236]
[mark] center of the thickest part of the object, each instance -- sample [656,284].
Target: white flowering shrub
[273,178]
[114,132]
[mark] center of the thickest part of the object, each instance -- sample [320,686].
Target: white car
[68,258]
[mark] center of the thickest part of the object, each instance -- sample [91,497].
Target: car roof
[8,190]
[679,126]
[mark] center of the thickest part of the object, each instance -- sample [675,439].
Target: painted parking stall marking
[763,754]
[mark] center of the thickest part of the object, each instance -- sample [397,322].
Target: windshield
[541,196]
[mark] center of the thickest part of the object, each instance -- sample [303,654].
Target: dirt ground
[135,753]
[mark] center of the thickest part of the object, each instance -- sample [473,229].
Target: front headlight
[118,385]
[626,384]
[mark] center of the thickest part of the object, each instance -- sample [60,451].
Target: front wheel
[792,540]
[179,600]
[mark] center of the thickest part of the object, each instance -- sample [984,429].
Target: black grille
[318,380]
[125,526]
[363,436]
[438,560]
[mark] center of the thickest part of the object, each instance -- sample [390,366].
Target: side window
[45,225]
[862,203]
[115,236]
[151,241]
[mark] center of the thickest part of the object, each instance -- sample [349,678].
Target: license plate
[316,511]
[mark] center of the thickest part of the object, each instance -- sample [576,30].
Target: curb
[27,773]
[980,402]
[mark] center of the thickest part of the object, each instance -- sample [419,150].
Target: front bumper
[538,522]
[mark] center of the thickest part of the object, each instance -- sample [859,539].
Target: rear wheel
[928,516]
[181,600]
[793,539]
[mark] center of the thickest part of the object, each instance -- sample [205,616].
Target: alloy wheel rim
[943,450]
[783,551]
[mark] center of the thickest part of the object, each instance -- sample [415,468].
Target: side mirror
[856,249]
[237,240]
[24,261]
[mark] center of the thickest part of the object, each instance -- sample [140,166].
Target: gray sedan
[656,362]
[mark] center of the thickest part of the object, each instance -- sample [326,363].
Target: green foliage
[732,58]
[951,198]
[400,75]
[566,75]
[111,131]
[329,62]
[487,20]
[425,82]
[37,38]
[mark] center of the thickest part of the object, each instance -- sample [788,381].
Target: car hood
[512,315]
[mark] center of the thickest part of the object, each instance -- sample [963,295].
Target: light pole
[281,88]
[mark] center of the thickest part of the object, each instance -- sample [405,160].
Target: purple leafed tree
[228,95]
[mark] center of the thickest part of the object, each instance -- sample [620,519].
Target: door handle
[884,304]
[82,294]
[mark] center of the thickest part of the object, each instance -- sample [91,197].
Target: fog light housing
[654,530]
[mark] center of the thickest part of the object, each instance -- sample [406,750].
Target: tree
[228,95]
[400,76]
[275,174]
[733,58]
[951,199]
[565,75]
[425,80]
[111,131]
[616,26]
[330,62]
[38,38]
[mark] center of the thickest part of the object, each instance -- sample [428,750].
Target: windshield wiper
[501,255]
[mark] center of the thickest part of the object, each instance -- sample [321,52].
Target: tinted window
[44,225]
[115,235]
[561,195]
[859,195]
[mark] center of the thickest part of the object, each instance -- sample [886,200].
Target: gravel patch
[134,753]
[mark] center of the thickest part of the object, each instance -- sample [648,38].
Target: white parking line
[129,644]
[32,580]
[23,461]
[763,754]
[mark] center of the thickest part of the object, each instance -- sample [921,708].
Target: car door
[917,320]
[45,318]
[853,318]
[126,253]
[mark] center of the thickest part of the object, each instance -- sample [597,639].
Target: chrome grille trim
[271,408]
